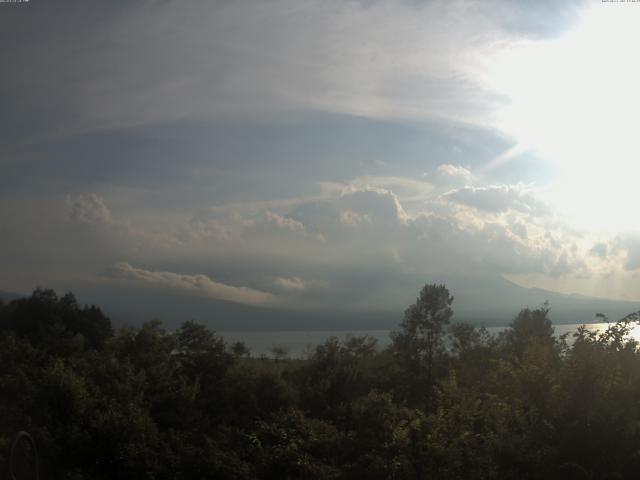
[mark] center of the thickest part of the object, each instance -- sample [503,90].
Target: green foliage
[335,374]
[293,446]
[58,324]
[420,341]
[444,401]
[529,326]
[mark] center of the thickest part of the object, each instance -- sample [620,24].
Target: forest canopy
[444,400]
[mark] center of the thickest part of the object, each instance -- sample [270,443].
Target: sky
[315,155]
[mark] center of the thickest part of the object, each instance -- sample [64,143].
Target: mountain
[489,300]
[492,301]
[495,301]
[8,296]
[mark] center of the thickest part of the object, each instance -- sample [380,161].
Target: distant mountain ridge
[509,298]
[8,296]
[491,301]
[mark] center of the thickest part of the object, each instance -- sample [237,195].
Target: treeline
[444,401]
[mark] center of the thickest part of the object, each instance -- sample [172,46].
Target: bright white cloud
[630,245]
[499,198]
[573,101]
[454,171]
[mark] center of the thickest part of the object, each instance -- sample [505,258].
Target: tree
[530,326]
[421,338]
[280,352]
[60,323]
[240,349]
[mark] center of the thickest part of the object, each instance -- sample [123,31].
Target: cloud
[349,217]
[195,284]
[297,284]
[498,198]
[348,245]
[262,102]
[449,170]
[88,209]
[476,245]
[364,226]
[241,225]
[631,244]
[448,176]
[599,250]
[382,206]
[154,62]
[271,219]
[353,206]
[406,189]
[519,229]
[206,225]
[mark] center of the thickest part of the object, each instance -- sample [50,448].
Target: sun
[575,100]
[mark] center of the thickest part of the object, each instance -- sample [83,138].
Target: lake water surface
[298,343]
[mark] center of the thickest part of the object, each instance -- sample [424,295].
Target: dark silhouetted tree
[421,339]
[530,326]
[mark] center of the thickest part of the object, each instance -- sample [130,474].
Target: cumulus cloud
[360,224]
[631,244]
[354,206]
[367,234]
[277,221]
[498,198]
[349,217]
[449,170]
[519,229]
[406,189]
[382,206]
[236,225]
[480,245]
[599,250]
[448,176]
[194,284]
[370,243]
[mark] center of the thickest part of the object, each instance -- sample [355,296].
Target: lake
[298,343]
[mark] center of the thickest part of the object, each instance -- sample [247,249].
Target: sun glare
[574,101]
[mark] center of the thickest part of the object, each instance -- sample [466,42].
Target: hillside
[474,301]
